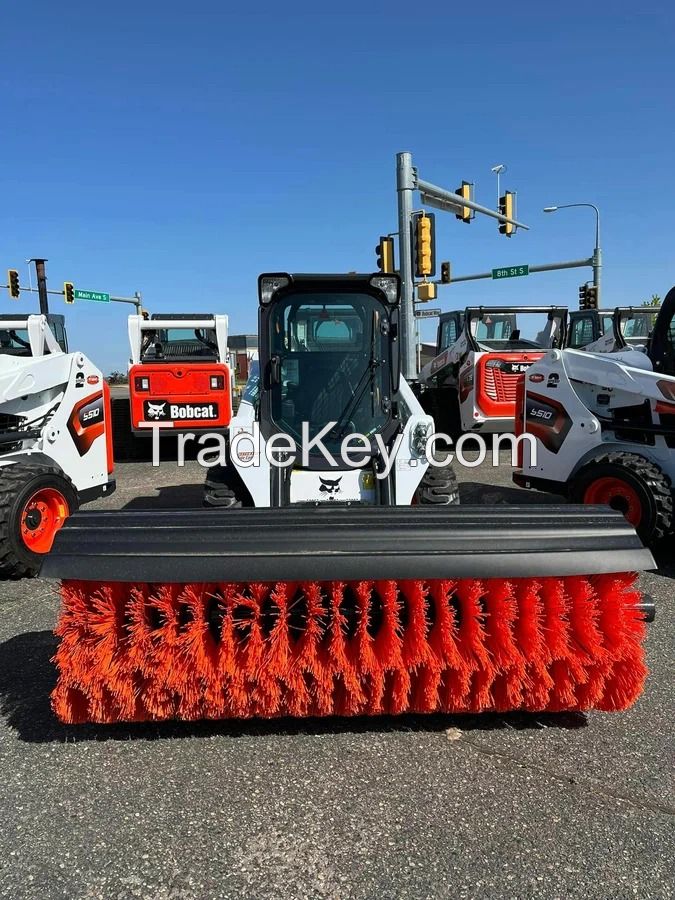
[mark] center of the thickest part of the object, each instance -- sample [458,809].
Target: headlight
[389,285]
[268,285]
[419,437]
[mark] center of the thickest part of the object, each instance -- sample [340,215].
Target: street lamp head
[499,169]
[550,208]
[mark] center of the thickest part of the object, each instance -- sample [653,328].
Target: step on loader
[309,589]
[55,437]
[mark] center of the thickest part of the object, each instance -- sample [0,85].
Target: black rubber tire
[438,488]
[652,486]
[18,482]
[224,488]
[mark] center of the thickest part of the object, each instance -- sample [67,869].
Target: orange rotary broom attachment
[347,611]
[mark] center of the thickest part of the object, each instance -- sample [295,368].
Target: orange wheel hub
[614,492]
[42,516]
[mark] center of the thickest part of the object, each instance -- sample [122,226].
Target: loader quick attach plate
[263,545]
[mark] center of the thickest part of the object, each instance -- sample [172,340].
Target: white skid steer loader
[604,425]
[329,364]
[55,447]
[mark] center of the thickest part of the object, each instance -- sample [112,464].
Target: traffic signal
[385,254]
[588,296]
[425,249]
[445,273]
[506,205]
[426,291]
[68,292]
[465,192]
[13,284]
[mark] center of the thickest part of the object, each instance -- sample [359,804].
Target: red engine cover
[497,377]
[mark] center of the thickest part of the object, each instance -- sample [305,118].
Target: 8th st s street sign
[511,271]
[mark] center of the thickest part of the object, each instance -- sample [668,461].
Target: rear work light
[217,382]
[142,384]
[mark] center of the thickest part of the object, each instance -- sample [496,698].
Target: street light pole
[597,252]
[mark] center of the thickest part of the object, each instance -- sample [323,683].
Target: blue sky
[181,149]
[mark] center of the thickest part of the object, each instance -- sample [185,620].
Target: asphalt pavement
[412,807]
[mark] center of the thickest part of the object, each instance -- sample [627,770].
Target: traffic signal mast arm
[433,192]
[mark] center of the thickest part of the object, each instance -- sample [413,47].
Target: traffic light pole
[405,185]
[544,267]
[597,259]
[407,181]
[41,273]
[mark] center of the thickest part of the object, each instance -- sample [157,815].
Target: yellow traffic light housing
[426,291]
[424,255]
[506,207]
[465,192]
[68,292]
[13,284]
[385,255]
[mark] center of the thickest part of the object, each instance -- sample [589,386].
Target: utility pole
[405,185]
[41,273]
[597,252]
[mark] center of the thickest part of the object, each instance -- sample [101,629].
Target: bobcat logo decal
[330,487]
[156,410]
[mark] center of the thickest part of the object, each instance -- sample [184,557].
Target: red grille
[500,386]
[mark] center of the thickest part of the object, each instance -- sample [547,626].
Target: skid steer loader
[179,380]
[343,590]
[470,386]
[328,361]
[605,427]
[55,445]
[607,330]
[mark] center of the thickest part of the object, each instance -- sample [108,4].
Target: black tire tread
[655,481]
[13,479]
[439,487]
[224,488]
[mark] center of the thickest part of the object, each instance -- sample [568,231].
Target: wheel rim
[44,513]
[618,494]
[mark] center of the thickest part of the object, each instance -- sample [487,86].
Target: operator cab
[179,344]
[511,331]
[16,342]
[631,327]
[331,345]
[450,327]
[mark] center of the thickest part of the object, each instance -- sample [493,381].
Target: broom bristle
[213,651]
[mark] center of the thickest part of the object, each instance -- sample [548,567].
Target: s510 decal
[87,422]
[547,420]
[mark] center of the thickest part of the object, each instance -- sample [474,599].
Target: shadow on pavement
[27,677]
[178,496]
[478,493]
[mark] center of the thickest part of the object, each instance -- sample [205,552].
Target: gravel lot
[491,806]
